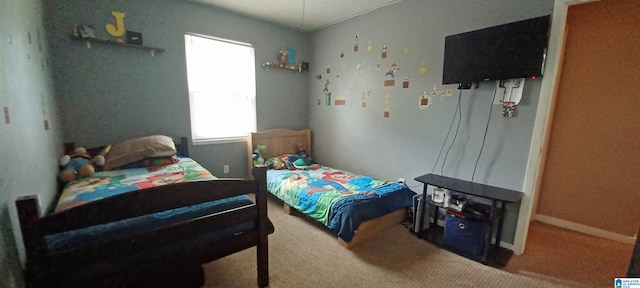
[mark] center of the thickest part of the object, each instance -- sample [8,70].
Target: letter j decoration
[118,29]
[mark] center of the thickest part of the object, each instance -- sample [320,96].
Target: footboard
[189,243]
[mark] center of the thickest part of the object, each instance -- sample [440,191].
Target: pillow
[152,162]
[136,149]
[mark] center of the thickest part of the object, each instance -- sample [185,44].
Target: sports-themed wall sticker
[369,47]
[355,44]
[118,29]
[425,101]
[392,73]
[340,101]
[365,96]
[341,55]
[328,69]
[405,82]
[384,52]
[327,93]
[386,106]
[423,68]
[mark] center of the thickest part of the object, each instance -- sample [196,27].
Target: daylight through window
[222,89]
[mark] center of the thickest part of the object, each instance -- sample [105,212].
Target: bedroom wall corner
[30,131]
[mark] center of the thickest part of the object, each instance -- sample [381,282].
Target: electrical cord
[486,128]
[459,112]
[446,137]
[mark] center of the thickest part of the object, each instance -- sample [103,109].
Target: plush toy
[79,163]
[258,155]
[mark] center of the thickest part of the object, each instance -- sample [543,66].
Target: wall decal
[425,101]
[365,96]
[328,69]
[118,29]
[386,106]
[405,82]
[7,117]
[341,55]
[384,52]
[423,68]
[327,93]
[508,108]
[340,101]
[406,51]
[392,72]
[369,47]
[355,44]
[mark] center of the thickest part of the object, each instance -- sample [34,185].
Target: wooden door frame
[544,118]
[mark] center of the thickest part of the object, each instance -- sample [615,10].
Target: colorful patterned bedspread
[114,182]
[109,183]
[327,194]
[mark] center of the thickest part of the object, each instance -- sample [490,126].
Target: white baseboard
[585,229]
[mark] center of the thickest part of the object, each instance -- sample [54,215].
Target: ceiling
[302,15]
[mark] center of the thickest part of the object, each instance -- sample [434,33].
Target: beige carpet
[305,255]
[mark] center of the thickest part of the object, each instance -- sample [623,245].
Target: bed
[354,207]
[152,223]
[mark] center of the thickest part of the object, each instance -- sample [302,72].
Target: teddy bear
[79,163]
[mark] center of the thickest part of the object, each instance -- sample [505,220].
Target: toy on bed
[258,154]
[79,163]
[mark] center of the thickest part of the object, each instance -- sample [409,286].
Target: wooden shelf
[115,43]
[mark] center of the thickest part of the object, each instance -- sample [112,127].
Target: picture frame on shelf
[134,38]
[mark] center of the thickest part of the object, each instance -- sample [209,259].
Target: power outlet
[226,169]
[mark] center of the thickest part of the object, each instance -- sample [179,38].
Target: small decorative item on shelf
[83,31]
[134,38]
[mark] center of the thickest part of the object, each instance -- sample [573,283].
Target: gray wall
[407,144]
[109,93]
[28,151]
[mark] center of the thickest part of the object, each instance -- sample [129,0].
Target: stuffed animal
[258,155]
[79,163]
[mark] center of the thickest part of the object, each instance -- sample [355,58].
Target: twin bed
[152,224]
[354,207]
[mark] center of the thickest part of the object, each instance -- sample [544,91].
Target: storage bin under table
[465,235]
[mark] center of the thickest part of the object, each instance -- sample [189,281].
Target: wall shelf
[88,41]
[301,67]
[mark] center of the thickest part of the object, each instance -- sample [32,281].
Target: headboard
[278,142]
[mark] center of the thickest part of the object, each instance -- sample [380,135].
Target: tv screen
[514,50]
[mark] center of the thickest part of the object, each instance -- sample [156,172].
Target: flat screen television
[509,51]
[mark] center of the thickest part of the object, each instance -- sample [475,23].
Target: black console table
[498,197]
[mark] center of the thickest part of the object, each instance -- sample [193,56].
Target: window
[222,89]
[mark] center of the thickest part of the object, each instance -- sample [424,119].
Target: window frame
[252,98]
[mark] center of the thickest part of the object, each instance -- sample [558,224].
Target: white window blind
[222,89]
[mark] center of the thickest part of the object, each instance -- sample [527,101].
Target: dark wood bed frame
[179,269]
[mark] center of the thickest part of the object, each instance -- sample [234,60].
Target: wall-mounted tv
[513,50]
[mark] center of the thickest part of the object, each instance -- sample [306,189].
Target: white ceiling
[302,15]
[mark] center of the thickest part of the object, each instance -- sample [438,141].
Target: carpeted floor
[305,255]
